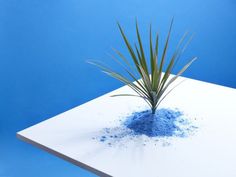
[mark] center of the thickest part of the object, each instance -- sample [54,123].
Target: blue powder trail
[164,123]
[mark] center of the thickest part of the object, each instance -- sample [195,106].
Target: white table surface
[210,152]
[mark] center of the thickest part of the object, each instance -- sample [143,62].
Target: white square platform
[210,152]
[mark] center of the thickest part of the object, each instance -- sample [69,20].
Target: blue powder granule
[103,138]
[162,123]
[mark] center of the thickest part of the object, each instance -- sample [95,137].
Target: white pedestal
[211,152]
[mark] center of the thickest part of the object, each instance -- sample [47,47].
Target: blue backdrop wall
[44,45]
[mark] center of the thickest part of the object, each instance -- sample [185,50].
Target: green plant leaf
[164,53]
[176,76]
[142,59]
[119,77]
[129,47]
[153,86]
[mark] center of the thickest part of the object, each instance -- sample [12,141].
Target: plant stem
[153,110]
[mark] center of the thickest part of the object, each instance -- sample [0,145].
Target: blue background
[44,45]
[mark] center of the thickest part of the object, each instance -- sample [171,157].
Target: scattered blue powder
[163,124]
[103,138]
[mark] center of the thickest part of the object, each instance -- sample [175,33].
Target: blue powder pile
[154,125]
[163,124]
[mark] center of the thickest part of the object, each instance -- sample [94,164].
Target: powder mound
[163,123]
[158,127]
